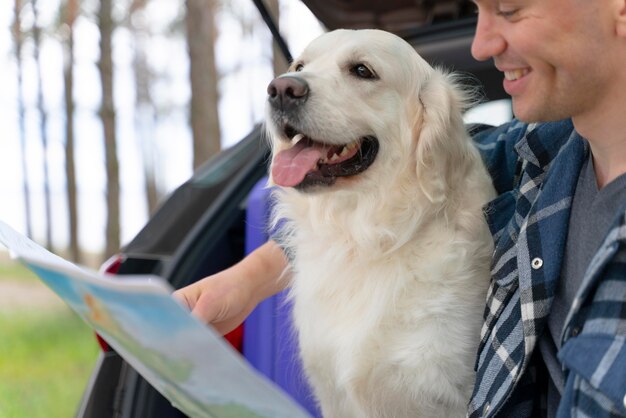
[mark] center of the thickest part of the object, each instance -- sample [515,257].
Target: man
[554,338]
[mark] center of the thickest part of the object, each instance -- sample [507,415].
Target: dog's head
[354,106]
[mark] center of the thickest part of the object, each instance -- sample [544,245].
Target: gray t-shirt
[593,212]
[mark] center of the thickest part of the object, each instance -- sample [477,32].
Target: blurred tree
[43,123]
[107,114]
[248,23]
[201,37]
[145,113]
[18,38]
[69,12]
[279,63]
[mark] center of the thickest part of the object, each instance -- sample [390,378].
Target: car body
[201,228]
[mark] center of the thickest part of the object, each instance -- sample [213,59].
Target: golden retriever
[381,192]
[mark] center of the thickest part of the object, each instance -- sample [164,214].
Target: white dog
[382,195]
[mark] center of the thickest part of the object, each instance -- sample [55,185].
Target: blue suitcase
[269,341]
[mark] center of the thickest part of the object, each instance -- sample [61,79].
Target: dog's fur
[390,266]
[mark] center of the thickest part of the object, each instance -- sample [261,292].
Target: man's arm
[225,299]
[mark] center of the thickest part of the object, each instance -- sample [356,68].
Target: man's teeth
[515,74]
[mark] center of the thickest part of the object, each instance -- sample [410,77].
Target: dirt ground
[24,295]
[18,293]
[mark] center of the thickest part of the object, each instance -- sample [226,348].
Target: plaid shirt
[535,170]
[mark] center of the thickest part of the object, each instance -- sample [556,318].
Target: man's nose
[287,92]
[488,41]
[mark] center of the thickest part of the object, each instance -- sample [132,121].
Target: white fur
[390,266]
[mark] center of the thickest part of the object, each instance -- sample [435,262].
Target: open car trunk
[440,30]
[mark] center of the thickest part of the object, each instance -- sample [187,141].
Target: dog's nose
[287,92]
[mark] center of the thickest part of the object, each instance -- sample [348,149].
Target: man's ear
[620,18]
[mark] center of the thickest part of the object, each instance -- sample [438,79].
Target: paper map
[185,360]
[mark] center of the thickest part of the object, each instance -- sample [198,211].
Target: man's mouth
[310,162]
[516,74]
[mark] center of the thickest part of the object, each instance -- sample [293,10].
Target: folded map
[185,360]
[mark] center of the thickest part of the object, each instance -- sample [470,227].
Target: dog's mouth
[311,162]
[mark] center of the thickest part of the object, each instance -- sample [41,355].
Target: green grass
[46,358]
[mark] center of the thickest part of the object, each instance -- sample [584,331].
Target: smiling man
[555,322]
[553,341]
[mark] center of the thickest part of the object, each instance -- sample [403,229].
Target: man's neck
[606,133]
[606,168]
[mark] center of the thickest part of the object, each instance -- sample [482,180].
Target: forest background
[105,108]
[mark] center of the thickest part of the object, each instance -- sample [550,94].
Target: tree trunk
[18,39]
[43,125]
[201,36]
[279,63]
[145,114]
[70,14]
[107,114]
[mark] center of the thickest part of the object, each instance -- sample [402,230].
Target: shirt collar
[541,143]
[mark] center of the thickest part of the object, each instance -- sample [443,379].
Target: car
[218,215]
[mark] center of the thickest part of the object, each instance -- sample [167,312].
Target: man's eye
[507,13]
[361,71]
[299,67]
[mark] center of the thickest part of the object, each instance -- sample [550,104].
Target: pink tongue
[290,166]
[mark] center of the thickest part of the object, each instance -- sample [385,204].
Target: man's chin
[535,113]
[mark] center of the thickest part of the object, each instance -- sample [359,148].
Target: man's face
[553,53]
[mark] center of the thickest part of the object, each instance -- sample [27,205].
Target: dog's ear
[443,148]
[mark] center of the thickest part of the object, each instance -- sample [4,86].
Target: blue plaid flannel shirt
[535,170]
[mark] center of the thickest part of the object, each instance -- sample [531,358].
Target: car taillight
[103,344]
[110,266]
[235,338]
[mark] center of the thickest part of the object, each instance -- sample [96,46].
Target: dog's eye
[299,67]
[361,71]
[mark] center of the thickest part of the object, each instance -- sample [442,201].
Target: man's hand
[225,299]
